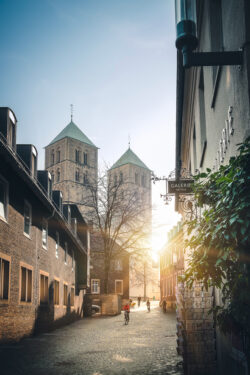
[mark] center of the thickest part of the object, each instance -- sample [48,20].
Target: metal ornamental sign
[180,186]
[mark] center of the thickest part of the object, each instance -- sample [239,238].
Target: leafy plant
[219,242]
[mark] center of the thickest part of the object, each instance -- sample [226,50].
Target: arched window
[85,158]
[58,175]
[52,159]
[58,156]
[77,175]
[85,178]
[77,156]
[121,177]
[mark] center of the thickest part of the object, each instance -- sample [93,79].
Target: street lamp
[187,41]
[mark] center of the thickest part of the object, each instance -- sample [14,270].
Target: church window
[58,156]
[77,175]
[121,177]
[85,179]
[58,175]
[52,157]
[77,156]
[85,158]
[52,177]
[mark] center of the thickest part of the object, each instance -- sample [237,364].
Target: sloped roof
[129,157]
[72,131]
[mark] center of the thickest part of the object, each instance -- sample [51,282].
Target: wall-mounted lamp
[187,41]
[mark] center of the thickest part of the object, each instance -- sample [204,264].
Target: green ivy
[219,241]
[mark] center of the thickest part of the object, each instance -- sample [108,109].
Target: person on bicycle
[126,309]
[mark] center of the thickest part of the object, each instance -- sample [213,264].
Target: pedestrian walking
[139,301]
[148,305]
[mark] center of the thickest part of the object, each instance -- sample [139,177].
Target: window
[85,179]
[121,177]
[44,289]
[58,156]
[65,294]
[77,175]
[203,134]
[3,198]
[45,234]
[118,265]
[27,218]
[77,156]
[72,296]
[52,157]
[56,292]
[137,178]
[119,286]
[115,179]
[4,279]
[95,286]
[65,252]
[26,284]
[57,244]
[58,175]
[85,158]
[194,150]
[11,132]
[52,177]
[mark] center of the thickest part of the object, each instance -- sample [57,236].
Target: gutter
[179,112]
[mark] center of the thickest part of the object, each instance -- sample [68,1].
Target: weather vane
[129,140]
[71,110]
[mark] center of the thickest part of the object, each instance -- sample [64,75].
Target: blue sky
[115,60]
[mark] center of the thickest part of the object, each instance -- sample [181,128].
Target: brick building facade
[43,254]
[171,266]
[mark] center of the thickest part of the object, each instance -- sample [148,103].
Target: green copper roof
[129,157]
[72,131]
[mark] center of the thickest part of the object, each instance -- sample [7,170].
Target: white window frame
[26,203]
[6,198]
[95,290]
[119,281]
[45,229]
[118,265]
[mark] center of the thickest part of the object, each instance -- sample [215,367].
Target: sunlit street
[100,346]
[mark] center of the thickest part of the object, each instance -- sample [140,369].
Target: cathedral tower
[72,160]
[135,177]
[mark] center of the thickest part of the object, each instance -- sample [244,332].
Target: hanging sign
[180,186]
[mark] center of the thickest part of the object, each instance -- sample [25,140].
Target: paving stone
[101,346]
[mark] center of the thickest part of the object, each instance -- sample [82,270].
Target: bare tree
[120,217]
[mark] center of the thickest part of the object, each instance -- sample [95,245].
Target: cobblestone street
[100,346]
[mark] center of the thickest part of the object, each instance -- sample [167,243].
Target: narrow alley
[100,346]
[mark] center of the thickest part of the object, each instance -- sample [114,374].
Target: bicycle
[126,317]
